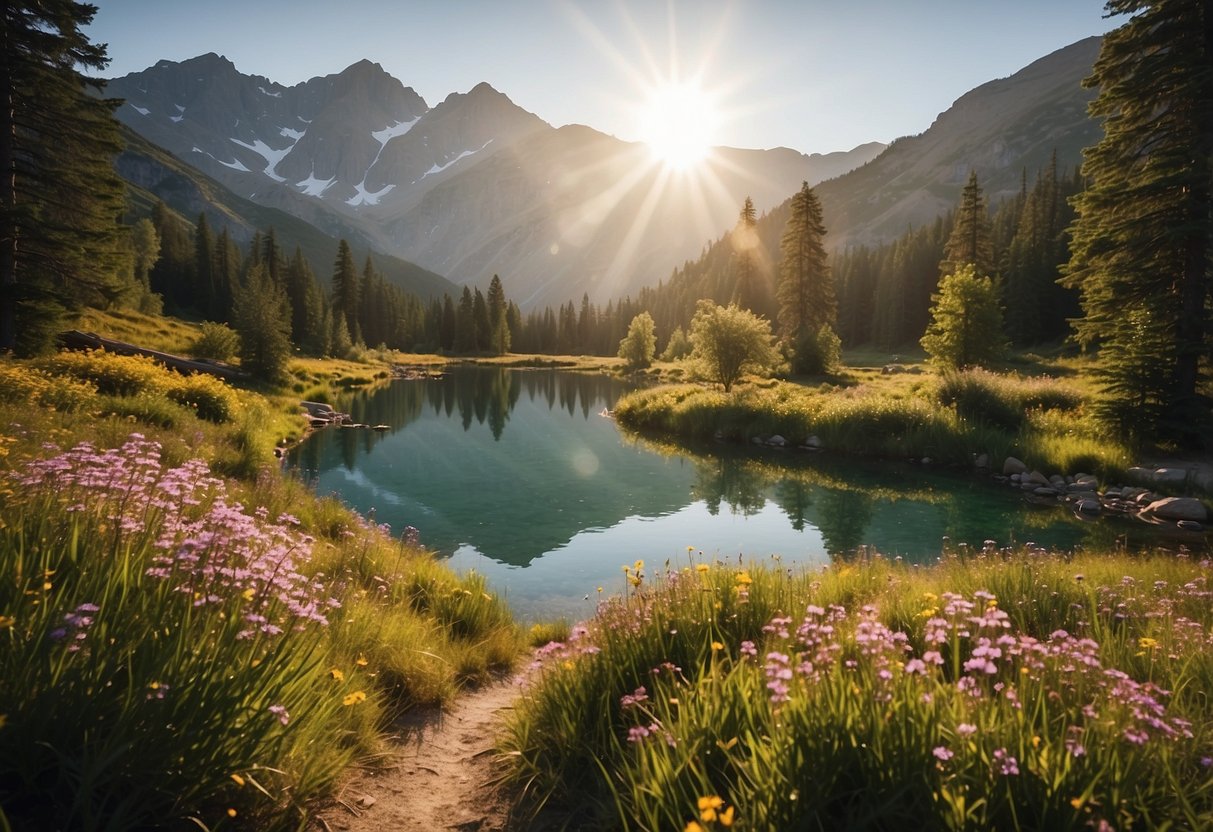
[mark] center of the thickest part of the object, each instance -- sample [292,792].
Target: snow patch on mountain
[463,155]
[143,111]
[264,91]
[365,197]
[313,186]
[271,155]
[294,135]
[234,165]
[393,130]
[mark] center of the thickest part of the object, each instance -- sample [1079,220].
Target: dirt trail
[439,774]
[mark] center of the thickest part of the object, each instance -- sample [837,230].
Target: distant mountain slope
[153,174]
[473,187]
[999,129]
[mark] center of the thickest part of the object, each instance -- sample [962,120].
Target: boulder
[1038,478]
[1137,474]
[1172,477]
[777,441]
[1045,491]
[1057,481]
[982,461]
[1013,466]
[812,442]
[1089,506]
[757,440]
[1177,508]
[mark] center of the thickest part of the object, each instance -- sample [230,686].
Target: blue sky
[815,75]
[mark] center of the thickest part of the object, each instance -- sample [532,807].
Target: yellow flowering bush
[24,383]
[114,375]
[208,396]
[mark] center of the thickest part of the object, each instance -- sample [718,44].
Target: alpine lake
[523,476]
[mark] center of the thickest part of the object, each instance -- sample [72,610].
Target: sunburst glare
[679,122]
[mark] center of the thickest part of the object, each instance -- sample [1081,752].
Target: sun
[679,122]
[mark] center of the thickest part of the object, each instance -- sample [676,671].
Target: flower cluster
[209,547]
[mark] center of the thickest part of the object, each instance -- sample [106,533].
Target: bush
[21,383]
[216,341]
[210,398]
[114,375]
[817,353]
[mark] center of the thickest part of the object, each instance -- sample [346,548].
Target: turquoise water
[518,475]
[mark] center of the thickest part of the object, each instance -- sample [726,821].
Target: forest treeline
[883,291]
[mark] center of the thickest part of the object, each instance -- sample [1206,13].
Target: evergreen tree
[972,238]
[60,199]
[480,320]
[966,323]
[263,322]
[499,325]
[206,292]
[1143,239]
[805,291]
[749,289]
[345,287]
[465,323]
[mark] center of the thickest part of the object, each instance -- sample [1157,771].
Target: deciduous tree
[730,341]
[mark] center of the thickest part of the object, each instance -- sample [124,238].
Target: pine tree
[263,321]
[972,239]
[206,292]
[748,291]
[499,326]
[345,287]
[1143,239]
[966,322]
[465,323]
[806,290]
[480,320]
[60,199]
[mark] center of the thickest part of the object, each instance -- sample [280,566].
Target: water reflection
[516,474]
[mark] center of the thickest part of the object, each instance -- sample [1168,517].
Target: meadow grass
[951,420]
[190,636]
[995,689]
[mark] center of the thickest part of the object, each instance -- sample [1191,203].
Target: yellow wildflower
[6,621]
[638,565]
[716,645]
[231,813]
[708,806]
[361,660]
[237,779]
[702,567]
[336,675]
[726,817]
[1077,802]
[692,826]
[743,577]
[1147,643]
[354,698]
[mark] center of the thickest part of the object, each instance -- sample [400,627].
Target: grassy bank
[951,419]
[993,690]
[189,635]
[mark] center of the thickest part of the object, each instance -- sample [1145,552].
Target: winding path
[439,775]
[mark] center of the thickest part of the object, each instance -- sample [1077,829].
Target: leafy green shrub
[817,353]
[210,398]
[148,409]
[217,341]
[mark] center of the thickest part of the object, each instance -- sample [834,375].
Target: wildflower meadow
[1003,690]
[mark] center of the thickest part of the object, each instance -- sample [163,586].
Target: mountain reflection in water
[515,473]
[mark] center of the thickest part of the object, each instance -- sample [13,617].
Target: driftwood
[76,340]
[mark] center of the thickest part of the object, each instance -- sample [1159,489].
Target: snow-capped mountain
[472,187]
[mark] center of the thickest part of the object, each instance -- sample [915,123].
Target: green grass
[951,419]
[812,700]
[135,688]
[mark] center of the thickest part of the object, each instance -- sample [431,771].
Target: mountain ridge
[457,188]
